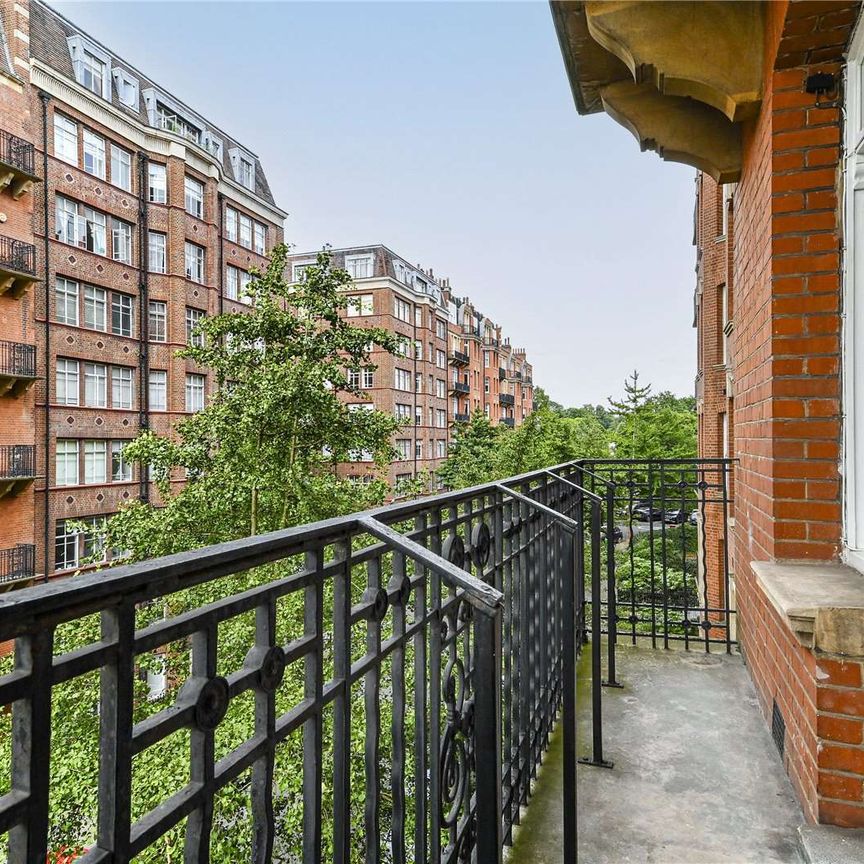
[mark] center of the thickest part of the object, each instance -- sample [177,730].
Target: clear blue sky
[448,132]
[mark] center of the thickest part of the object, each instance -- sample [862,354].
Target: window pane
[94,308]
[65,139]
[66,301]
[94,154]
[158,183]
[157,321]
[95,464]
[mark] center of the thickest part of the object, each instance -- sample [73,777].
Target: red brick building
[450,353]
[147,218]
[764,102]
[18,286]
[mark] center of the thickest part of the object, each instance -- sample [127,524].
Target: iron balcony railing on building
[459,417]
[17,564]
[16,256]
[17,367]
[460,387]
[17,460]
[502,373]
[459,358]
[508,421]
[392,678]
[17,153]
[489,342]
[17,359]
[516,375]
[506,398]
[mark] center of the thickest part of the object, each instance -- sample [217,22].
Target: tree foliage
[262,454]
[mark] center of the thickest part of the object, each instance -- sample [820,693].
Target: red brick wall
[16,314]
[786,261]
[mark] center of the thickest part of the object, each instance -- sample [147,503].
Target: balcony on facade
[502,373]
[448,629]
[508,421]
[460,387]
[17,164]
[17,368]
[459,358]
[17,566]
[17,468]
[460,417]
[17,266]
[506,399]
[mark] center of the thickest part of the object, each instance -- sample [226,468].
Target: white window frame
[196,386]
[193,318]
[853,303]
[195,262]
[66,453]
[65,139]
[70,292]
[360,305]
[193,196]
[157,312]
[94,152]
[95,385]
[157,192]
[67,385]
[232,282]
[157,390]
[157,257]
[360,266]
[121,167]
[259,238]
[95,462]
[122,387]
[232,221]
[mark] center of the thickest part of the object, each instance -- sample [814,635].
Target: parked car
[617,533]
[678,516]
[645,512]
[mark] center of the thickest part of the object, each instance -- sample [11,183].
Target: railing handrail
[66,597]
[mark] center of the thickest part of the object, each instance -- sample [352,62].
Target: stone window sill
[823,603]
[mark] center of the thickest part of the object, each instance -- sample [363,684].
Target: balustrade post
[487,736]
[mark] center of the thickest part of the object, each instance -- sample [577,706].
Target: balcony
[508,421]
[460,387]
[410,675]
[488,342]
[17,368]
[506,399]
[17,468]
[459,358]
[17,266]
[17,164]
[502,373]
[461,418]
[17,566]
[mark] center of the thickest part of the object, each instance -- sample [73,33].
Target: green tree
[262,454]
[473,456]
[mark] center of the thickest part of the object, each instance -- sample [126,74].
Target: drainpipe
[143,317]
[46,527]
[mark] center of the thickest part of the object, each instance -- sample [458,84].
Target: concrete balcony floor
[697,778]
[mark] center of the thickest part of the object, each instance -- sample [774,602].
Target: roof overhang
[681,76]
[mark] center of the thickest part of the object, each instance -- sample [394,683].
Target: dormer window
[212,145]
[92,66]
[243,165]
[127,88]
[166,119]
[247,173]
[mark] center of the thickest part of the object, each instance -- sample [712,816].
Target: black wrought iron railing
[459,358]
[506,398]
[502,373]
[670,526]
[18,563]
[17,460]
[460,387]
[460,417]
[508,421]
[376,687]
[17,359]
[18,256]
[16,152]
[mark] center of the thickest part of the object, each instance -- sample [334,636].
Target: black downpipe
[47,286]
[143,318]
